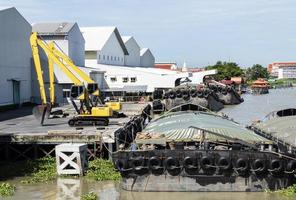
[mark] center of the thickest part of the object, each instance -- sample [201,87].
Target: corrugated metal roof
[52,28]
[129,88]
[126,38]
[143,51]
[63,79]
[183,126]
[283,128]
[96,37]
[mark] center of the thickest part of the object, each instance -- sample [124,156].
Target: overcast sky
[199,32]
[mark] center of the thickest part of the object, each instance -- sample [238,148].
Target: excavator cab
[76,91]
[92,87]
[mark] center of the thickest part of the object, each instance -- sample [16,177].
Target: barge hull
[167,183]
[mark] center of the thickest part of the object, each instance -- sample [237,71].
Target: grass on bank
[44,170]
[102,170]
[33,171]
[89,196]
[289,191]
[6,189]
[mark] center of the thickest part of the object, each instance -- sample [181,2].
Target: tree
[226,70]
[256,71]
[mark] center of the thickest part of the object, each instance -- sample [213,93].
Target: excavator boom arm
[37,64]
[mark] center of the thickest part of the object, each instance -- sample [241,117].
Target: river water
[67,188]
[254,108]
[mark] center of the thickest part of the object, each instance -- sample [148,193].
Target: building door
[16,92]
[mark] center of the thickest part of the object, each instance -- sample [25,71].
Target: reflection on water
[67,188]
[258,106]
[254,107]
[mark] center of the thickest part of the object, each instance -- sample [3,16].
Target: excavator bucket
[42,111]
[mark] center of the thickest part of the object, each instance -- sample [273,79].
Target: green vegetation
[102,170]
[6,189]
[255,72]
[226,70]
[34,171]
[89,196]
[282,82]
[43,170]
[289,191]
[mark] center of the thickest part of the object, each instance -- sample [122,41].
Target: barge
[194,94]
[226,93]
[196,150]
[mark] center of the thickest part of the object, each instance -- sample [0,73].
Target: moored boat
[195,150]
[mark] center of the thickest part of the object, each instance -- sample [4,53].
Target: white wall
[150,77]
[112,49]
[72,45]
[133,59]
[147,59]
[76,46]
[15,55]
[99,78]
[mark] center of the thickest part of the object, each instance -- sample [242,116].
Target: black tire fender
[259,165]
[276,165]
[189,162]
[179,94]
[200,93]
[171,163]
[154,162]
[172,95]
[291,166]
[206,162]
[242,165]
[137,162]
[224,163]
[193,93]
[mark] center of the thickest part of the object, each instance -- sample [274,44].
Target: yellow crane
[88,112]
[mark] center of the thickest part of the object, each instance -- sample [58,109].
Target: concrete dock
[19,128]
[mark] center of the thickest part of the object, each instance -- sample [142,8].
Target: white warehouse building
[104,45]
[146,58]
[15,58]
[140,79]
[66,35]
[67,38]
[136,72]
[133,57]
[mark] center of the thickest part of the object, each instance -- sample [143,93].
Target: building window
[99,57]
[103,57]
[133,79]
[107,57]
[90,55]
[111,57]
[125,79]
[113,79]
[66,93]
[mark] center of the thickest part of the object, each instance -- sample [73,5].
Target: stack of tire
[128,133]
[202,96]
[226,94]
[207,164]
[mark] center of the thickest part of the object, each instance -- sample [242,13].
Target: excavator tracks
[88,120]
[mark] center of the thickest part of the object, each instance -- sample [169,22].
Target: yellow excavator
[84,89]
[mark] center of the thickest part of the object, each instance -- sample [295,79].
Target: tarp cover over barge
[200,151]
